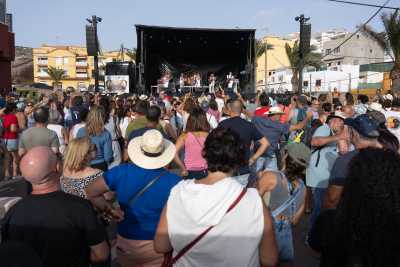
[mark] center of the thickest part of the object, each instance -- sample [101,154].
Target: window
[358,36]
[329,64]
[336,50]
[269,73]
[280,78]
[305,84]
[66,61]
[318,82]
[339,63]
[328,51]
[370,50]
[59,61]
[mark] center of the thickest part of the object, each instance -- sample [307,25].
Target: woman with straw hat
[142,189]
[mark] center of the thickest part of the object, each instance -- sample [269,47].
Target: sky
[62,22]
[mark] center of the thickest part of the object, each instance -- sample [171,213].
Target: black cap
[365,125]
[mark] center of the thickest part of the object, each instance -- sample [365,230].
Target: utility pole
[94,20]
[305,35]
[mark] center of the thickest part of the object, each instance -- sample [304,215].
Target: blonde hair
[77,155]
[95,121]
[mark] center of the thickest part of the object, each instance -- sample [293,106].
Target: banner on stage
[118,84]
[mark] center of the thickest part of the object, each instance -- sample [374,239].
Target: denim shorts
[11,144]
[284,239]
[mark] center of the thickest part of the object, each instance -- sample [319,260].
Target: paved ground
[304,256]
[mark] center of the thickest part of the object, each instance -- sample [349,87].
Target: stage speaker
[305,38]
[91,40]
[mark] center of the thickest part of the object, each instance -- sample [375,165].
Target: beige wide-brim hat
[274,111]
[151,150]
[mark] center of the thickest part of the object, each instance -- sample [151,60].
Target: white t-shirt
[220,103]
[212,121]
[233,241]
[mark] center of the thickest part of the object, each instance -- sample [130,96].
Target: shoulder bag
[169,261]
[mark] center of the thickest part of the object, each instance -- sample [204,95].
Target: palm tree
[261,47]
[310,59]
[131,53]
[56,75]
[390,41]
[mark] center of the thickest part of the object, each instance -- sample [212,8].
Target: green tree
[56,75]
[390,41]
[310,59]
[261,47]
[131,53]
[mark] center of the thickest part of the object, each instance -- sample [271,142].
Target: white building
[345,78]
[320,38]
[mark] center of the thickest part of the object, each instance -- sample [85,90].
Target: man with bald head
[63,229]
[248,134]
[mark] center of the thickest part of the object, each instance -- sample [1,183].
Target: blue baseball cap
[365,125]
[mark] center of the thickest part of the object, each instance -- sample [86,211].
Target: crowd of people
[201,180]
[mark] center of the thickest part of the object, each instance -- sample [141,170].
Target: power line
[363,4]
[359,28]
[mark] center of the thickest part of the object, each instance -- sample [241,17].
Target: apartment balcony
[81,75]
[43,62]
[43,74]
[83,64]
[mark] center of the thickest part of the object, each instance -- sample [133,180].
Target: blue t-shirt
[141,218]
[273,131]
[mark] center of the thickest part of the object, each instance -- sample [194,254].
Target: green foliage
[391,23]
[261,47]
[56,74]
[131,53]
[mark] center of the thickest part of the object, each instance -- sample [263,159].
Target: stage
[179,51]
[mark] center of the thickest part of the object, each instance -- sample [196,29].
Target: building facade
[345,79]
[7,50]
[360,49]
[274,58]
[319,39]
[77,65]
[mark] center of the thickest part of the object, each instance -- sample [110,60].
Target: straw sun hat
[151,150]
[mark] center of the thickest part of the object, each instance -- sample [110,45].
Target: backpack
[315,124]
[318,150]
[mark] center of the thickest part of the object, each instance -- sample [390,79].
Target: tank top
[282,192]
[194,160]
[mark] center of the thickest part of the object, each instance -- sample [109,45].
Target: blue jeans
[318,197]
[284,240]
[263,163]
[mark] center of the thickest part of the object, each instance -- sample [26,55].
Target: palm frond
[56,74]
[391,22]
[261,47]
[379,37]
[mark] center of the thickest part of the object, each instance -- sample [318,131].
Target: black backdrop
[206,51]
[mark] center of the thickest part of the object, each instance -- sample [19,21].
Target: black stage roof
[195,49]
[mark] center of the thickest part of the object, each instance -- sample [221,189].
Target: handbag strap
[134,198]
[199,237]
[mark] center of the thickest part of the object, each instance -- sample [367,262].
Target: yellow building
[275,57]
[75,62]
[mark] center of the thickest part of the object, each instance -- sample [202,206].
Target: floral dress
[76,186]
